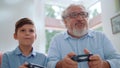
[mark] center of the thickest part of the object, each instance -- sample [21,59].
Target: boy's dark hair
[22,22]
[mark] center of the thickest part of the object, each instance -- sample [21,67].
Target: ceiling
[64,3]
[9,7]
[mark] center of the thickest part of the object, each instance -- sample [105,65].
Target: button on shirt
[95,42]
[15,59]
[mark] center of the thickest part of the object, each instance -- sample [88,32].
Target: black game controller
[81,58]
[31,65]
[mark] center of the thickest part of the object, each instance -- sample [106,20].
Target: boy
[25,33]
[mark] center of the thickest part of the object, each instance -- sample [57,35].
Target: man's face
[76,21]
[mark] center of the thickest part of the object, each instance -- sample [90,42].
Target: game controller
[31,65]
[81,58]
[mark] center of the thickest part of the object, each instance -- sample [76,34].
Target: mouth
[79,24]
[26,38]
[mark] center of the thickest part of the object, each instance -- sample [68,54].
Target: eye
[84,14]
[22,30]
[73,14]
[31,30]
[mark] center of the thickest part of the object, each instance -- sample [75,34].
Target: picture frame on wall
[117,4]
[115,23]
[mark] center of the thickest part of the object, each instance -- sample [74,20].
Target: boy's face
[26,35]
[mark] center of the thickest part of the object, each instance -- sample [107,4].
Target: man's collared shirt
[95,42]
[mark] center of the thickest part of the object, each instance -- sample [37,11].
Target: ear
[15,36]
[65,22]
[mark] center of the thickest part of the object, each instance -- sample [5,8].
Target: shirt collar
[18,52]
[89,34]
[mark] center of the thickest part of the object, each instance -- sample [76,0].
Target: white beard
[79,32]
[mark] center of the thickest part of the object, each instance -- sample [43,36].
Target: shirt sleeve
[45,61]
[111,55]
[53,54]
[5,63]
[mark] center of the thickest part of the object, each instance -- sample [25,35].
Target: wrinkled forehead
[75,9]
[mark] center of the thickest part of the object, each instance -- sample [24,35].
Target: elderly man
[79,40]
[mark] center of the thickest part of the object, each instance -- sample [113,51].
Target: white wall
[13,10]
[39,18]
[108,11]
[9,14]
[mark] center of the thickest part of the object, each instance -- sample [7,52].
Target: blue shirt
[15,58]
[95,42]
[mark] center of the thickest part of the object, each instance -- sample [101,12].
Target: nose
[27,32]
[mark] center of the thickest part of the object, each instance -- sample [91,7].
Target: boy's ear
[15,36]
[35,36]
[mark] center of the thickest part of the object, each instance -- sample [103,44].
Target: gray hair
[64,13]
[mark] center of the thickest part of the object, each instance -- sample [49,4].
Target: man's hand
[24,66]
[96,61]
[67,62]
